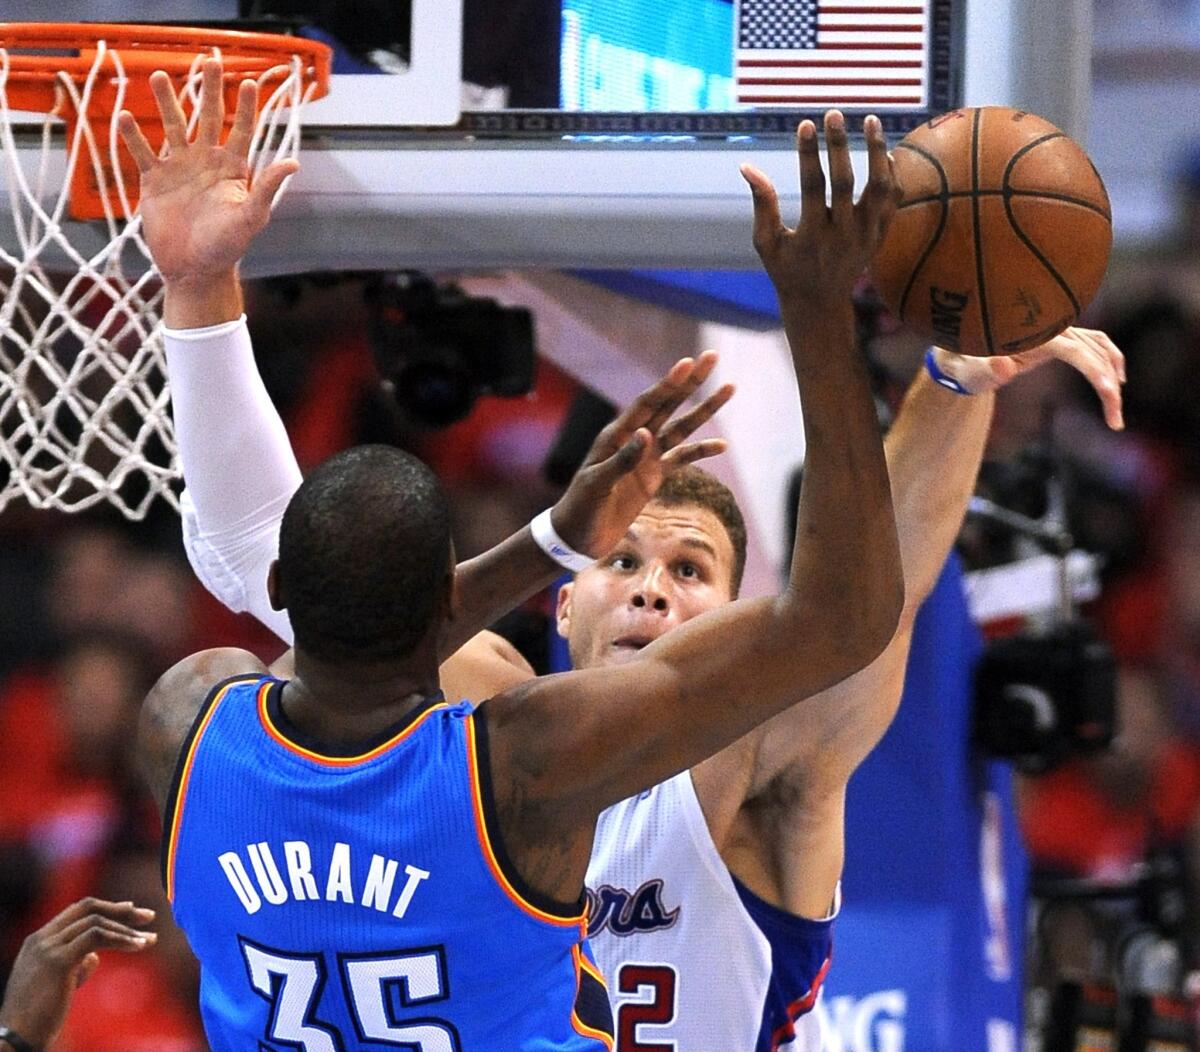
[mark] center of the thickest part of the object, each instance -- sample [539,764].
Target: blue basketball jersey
[363,901]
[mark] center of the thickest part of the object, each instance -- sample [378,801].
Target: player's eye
[622,562]
[689,570]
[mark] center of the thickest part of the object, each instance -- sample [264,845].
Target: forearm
[934,450]
[846,556]
[492,584]
[933,454]
[237,462]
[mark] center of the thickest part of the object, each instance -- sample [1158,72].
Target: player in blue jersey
[359,863]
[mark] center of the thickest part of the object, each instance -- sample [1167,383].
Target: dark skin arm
[171,706]
[58,958]
[565,747]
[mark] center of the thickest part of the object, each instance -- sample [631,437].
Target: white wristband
[555,547]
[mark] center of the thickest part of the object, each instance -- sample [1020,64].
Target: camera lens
[435,393]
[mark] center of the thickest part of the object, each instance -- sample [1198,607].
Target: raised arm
[200,214]
[933,451]
[605,734]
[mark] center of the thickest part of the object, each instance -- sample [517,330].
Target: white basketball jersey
[693,960]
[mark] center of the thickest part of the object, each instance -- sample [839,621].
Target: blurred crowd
[1134,499]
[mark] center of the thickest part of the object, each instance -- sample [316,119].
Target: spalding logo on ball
[1003,234]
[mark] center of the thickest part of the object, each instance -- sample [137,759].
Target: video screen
[732,65]
[645,56]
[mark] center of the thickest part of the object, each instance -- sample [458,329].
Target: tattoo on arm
[162,731]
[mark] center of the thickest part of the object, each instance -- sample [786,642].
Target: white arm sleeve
[238,466]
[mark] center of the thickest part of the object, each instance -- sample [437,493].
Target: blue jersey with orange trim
[360,899]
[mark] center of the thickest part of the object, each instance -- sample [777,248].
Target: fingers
[841,169]
[685,387]
[768,224]
[268,182]
[654,406]
[174,122]
[690,452]
[672,435]
[1106,374]
[84,971]
[100,930]
[242,131]
[626,459]
[212,104]
[106,935]
[812,178]
[1081,349]
[883,192]
[645,428]
[879,166]
[1105,346]
[122,912]
[135,141]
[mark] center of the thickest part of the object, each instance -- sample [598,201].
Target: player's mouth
[626,648]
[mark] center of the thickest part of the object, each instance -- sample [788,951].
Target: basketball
[1002,236]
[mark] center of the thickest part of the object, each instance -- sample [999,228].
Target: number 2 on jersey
[292,985]
[658,1010]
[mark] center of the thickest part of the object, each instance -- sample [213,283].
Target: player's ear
[562,612]
[273,590]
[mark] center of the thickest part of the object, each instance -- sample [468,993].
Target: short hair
[364,555]
[693,485]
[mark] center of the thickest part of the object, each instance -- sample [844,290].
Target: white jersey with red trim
[694,960]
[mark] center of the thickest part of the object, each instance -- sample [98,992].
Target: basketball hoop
[83,396]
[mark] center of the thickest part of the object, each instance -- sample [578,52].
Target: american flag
[802,53]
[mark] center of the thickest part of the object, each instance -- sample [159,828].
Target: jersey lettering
[629,913]
[299,867]
[657,986]
[380,986]
[377,987]
[268,884]
[291,985]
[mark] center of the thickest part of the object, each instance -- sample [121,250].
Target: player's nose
[650,592]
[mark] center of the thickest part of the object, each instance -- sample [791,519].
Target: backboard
[407,72]
[593,134]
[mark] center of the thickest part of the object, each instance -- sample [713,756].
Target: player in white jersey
[713,893]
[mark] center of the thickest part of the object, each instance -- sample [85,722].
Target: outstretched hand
[56,959]
[632,455]
[1090,351]
[199,210]
[827,252]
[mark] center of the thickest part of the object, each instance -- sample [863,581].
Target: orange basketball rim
[87,72]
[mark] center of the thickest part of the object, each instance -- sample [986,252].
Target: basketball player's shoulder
[483,666]
[174,701]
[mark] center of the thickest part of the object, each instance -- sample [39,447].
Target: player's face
[674,563]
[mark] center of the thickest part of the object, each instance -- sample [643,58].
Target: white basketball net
[84,412]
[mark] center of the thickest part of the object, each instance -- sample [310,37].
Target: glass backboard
[396,63]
